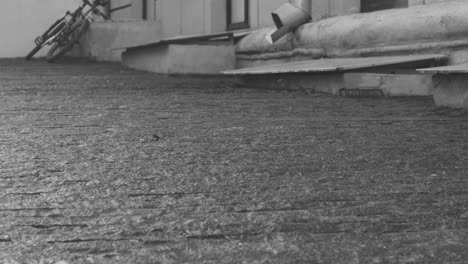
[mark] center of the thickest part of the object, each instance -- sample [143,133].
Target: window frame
[237,25]
[144,9]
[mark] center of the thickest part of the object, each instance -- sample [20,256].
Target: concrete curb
[391,84]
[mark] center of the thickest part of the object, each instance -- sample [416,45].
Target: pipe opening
[277,20]
[288,17]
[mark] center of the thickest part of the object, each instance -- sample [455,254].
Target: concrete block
[182,59]
[451,90]
[103,38]
[390,84]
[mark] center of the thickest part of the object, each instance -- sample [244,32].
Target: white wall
[260,10]
[190,17]
[264,10]
[21,21]
[122,14]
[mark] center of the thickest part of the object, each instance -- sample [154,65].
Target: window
[237,14]
[149,9]
[144,9]
[375,5]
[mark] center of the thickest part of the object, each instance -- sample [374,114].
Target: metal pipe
[304,5]
[290,16]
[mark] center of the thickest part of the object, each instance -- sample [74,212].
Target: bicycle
[67,31]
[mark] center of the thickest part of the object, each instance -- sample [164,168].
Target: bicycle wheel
[54,30]
[33,52]
[68,40]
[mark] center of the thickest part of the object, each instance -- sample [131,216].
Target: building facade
[147,21]
[184,17]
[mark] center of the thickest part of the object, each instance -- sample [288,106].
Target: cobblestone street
[101,164]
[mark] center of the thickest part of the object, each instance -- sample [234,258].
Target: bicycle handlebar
[94,6]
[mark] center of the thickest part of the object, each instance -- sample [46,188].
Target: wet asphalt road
[100,164]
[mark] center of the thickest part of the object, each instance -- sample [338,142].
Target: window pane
[237,11]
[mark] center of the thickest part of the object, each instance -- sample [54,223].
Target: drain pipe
[288,17]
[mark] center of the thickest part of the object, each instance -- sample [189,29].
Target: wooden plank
[459,68]
[335,65]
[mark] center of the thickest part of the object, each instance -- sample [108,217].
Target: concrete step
[347,84]
[380,75]
[390,84]
[209,57]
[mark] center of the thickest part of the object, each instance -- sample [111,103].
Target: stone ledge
[182,59]
[328,83]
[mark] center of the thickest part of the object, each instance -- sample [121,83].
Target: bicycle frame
[70,18]
[56,30]
[61,30]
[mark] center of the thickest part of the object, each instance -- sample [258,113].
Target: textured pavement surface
[100,164]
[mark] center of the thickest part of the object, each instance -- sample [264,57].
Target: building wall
[192,17]
[187,17]
[178,17]
[123,14]
[264,8]
[21,21]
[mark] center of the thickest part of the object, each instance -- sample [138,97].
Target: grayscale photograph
[233,131]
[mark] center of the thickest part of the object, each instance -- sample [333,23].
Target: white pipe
[304,5]
[290,16]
